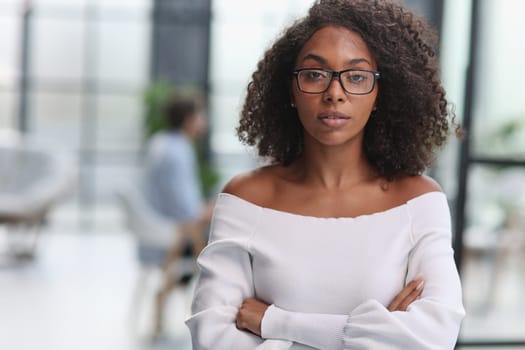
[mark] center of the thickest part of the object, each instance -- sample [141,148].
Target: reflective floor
[80,292]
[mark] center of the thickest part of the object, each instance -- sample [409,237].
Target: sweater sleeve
[431,322]
[225,280]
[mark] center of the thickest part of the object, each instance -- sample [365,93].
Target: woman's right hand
[409,294]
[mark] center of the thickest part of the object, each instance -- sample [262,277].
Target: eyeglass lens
[353,81]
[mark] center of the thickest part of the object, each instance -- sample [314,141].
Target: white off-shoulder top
[328,280]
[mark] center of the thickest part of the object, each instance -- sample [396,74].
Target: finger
[401,296]
[239,320]
[404,293]
[403,306]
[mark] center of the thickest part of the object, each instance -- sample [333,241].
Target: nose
[335,91]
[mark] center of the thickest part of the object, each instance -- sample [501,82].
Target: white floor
[77,293]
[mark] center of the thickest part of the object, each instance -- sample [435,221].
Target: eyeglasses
[353,81]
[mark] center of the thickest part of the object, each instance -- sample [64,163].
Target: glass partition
[493,252]
[88,68]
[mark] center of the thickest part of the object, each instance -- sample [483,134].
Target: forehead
[336,44]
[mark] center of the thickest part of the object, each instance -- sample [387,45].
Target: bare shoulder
[414,186]
[254,186]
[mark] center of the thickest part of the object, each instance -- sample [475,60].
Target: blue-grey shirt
[171,178]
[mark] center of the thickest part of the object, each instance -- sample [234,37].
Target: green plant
[155,98]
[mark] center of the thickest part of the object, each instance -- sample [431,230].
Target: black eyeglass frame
[376,75]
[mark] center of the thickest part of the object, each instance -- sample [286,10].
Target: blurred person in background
[172,186]
[342,242]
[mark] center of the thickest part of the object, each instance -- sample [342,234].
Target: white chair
[150,230]
[33,180]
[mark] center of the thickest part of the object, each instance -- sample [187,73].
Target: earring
[292,105]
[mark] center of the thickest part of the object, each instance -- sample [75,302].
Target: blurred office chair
[159,248]
[33,180]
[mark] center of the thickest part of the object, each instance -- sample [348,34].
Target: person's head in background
[411,115]
[186,115]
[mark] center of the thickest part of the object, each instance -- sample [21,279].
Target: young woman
[340,243]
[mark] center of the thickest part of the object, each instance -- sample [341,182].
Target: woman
[329,246]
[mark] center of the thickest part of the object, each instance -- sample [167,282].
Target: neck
[335,167]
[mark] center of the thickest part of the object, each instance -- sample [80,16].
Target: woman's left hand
[250,315]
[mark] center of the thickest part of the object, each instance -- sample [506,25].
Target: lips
[333,119]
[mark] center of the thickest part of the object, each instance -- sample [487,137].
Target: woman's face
[334,117]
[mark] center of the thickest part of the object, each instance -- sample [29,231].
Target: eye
[356,77]
[314,75]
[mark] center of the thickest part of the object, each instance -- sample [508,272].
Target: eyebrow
[322,60]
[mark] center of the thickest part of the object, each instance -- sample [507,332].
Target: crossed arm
[251,312]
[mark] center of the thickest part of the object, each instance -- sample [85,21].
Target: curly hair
[412,117]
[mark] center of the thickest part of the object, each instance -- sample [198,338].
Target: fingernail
[420,285]
[418,279]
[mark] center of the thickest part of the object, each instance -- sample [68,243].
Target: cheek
[370,103]
[300,98]
[306,109]
[304,101]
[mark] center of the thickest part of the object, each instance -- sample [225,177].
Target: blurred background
[79,82]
